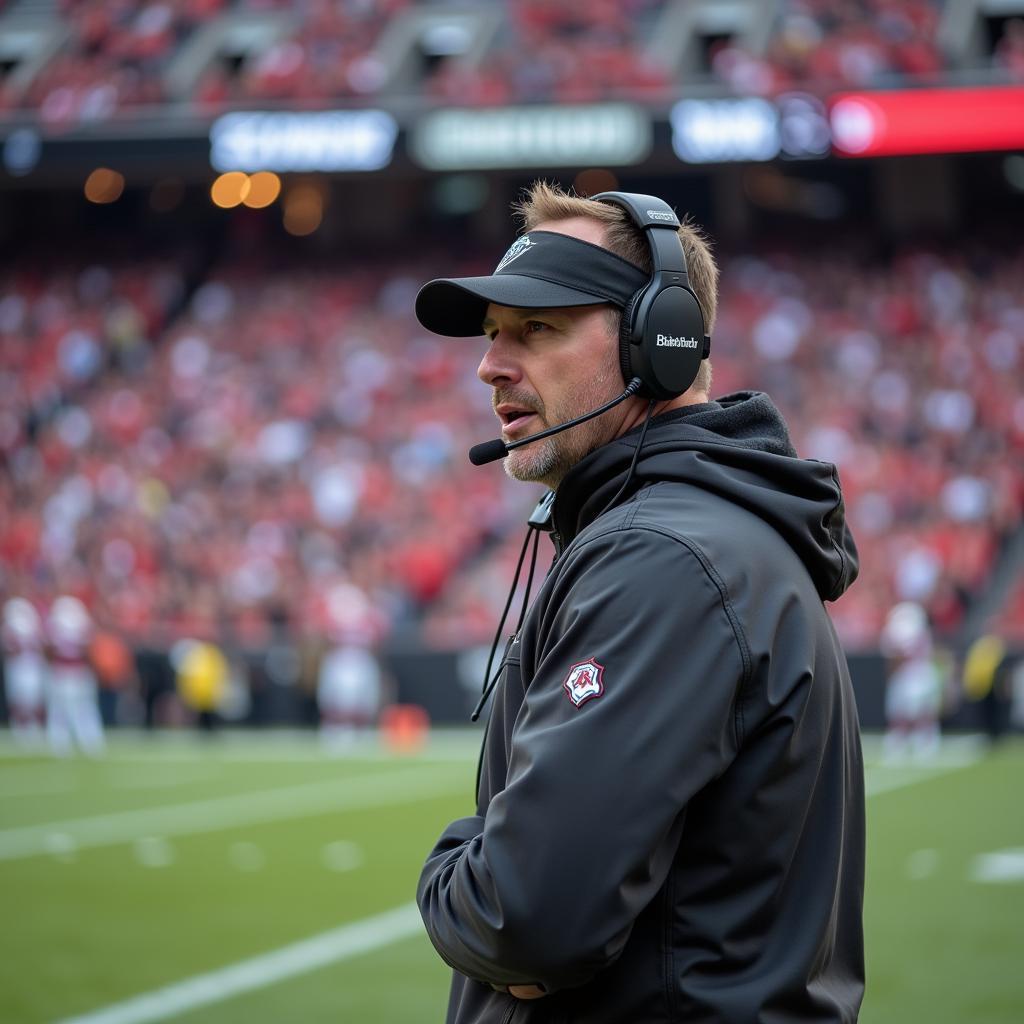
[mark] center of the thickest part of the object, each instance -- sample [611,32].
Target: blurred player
[203,676]
[72,710]
[988,677]
[24,670]
[913,696]
[349,680]
[112,660]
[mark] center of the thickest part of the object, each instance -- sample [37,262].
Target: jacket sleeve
[546,887]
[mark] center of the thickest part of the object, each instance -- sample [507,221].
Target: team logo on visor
[518,247]
[584,681]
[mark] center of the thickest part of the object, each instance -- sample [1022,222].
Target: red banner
[908,121]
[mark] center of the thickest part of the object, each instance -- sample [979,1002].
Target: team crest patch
[584,681]
[516,249]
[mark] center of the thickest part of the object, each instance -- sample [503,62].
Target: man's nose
[499,365]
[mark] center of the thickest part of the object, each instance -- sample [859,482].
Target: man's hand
[526,991]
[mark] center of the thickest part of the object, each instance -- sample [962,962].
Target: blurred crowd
[209,462]
[283,439]
[107,56]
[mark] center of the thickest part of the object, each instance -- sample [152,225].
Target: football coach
[670,806]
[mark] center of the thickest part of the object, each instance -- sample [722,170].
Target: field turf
[175,880]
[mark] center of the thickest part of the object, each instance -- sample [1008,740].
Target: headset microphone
[487,451]
[491,451]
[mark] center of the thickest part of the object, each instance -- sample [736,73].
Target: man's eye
[535,325]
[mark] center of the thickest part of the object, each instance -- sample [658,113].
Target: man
[670,808]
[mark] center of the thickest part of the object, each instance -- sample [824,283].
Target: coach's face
[547,366]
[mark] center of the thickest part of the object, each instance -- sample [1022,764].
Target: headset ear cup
[625,337]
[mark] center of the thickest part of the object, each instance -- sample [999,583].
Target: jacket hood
[739,448]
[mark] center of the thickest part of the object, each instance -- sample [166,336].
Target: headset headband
[662,340]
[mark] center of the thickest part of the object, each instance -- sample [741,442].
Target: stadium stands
[91,60]
[196,444]
[289,433]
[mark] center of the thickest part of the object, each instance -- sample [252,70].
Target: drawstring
[489,681]
[529,581]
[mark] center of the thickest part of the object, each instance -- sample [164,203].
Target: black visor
[542,270]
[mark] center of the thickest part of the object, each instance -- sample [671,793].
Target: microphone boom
[491,451]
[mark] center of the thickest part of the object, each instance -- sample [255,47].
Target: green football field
[255,879]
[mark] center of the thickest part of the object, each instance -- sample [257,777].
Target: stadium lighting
[104,186]
[303,208]
[21,151]
[230,189]
[264,188]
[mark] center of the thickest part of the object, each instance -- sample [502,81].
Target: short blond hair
[544,202]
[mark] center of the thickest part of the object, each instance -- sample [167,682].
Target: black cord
[636,455]
[529,582]
[489,683]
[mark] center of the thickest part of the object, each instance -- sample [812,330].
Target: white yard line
[310,954]
[884,778]
[299,746]
[183,775]
[341,943]
[42,787]
[213,815]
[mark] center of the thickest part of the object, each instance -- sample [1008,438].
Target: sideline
[884,776]
[340,944]
[126,744]
[301,957]
[219,813]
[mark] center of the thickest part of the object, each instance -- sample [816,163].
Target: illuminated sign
[904,122]
[716,131]
[803,126]
[600,135]
[328,140]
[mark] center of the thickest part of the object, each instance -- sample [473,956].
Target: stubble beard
[548,461]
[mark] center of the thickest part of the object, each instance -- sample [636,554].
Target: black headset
[662,339]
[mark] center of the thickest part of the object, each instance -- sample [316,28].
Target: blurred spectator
[571,52]
[1009,50]
[114,56]
[854,44]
